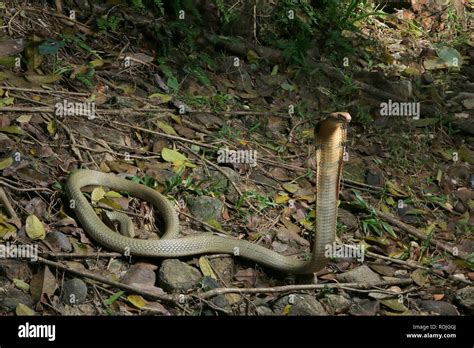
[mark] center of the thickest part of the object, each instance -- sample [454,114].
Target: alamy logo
[13,251]
[342,251]
[237,156]
[37,331]
[393,108]
[67,108]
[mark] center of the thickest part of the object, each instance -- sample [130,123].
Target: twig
[287,288]
[5,202]
[83,256]
[46,91]
[87,274]
[414,265]
[420,235]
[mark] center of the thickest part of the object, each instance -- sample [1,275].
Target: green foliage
[108,23]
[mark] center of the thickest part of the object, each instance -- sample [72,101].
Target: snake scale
[330,140]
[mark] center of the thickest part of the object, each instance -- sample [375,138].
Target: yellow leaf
[113,194]
[172,156]
[110,203]
[281,199]
[287,309]
[97,194]
[6,162]
[292,188]
[96,63]
[34,228]
[137,301]
[166,128]
[206,268]
[52,127]
[176,118]
[20,284]
[24,119]
[161,98]
[11,130]
[214,223]
[23,310]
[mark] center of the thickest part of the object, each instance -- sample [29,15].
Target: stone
[74,291]
[59,241]
[337,304]
[175,276]
[439,307]
[361,274]
[300,304]
[11,297]
[465,297]
[205,208]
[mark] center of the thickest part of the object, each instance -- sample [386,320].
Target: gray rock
[263,310]
[11,297]
[337,304]
[300,304]
[362,274]
[141,273]
[465,297]
[74,291]
[175,276]
[59,241]
[205,208]
[12,269]
[364,307]
[439,307]
[224,267]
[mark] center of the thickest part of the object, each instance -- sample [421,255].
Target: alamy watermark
[14,251]
[67,108]
[394,108]
[237,156]
[344,251]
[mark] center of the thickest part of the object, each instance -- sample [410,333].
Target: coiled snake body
[330,139]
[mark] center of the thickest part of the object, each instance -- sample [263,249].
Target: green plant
[108,23]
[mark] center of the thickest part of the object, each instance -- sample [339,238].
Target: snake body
[330,138]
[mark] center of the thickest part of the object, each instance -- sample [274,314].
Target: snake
[330,141]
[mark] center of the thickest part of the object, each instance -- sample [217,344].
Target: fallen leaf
[23,310]
[137,301]
[34,228]
[41,283]
[206,268]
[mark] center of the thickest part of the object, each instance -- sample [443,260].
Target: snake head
[343,117]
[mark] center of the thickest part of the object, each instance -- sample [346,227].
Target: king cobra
[330,141]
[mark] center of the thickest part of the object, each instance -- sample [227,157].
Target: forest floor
[407,202]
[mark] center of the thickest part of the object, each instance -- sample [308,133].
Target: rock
[468,103]
[465,298]
[205,208]
[74,291]
[347,219]
[220,301]
[337,304]
[175,275]
[12,269]
[11,297]
[299,305]
[364,307]
[361,274]
[374,178]
[224,267]
[439,307]
[59,241]
[140,273]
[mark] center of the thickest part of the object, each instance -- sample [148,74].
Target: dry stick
[287,288]
[3,183]
[414,265]
[86,274]
[82,256]
[6,203]
[174,137]
[45,91]
[420,235]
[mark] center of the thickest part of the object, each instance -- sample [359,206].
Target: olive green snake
[330,137]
